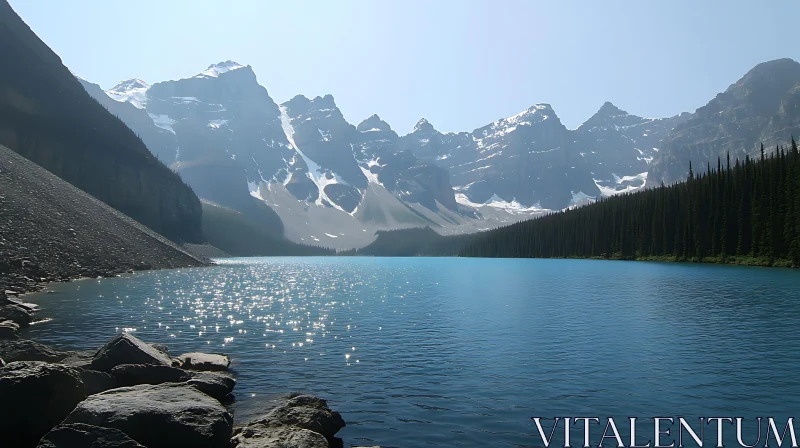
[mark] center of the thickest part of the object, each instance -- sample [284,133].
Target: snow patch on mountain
[580,198]
[163,121]
[254,188]
[215,70]
[314,173]
[371,177]
[216,124]
[513,207]
[624,184]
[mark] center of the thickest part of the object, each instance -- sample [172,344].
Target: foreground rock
[204,361]
[8,330]
[96,381]
[30,307]
[162,348]
[126,349]
[309,412]
[36,396]
[213,384]
[80,358]
[165,415]
[304,418]
[136,374]
[16,314]
[26,350]
[76,435]
[278,436]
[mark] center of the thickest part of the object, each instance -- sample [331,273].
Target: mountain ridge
[513,168]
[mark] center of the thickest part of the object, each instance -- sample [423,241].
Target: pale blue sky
[459,63]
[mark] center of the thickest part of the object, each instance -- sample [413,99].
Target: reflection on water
[462,352]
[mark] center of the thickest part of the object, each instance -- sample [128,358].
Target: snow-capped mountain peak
[133,91]
[214,70]
[130,84]
[423,126]
[536,113]
[609,109]
[373,123]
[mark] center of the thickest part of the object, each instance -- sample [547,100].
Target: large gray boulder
[36,396]
[96,381]
[76,435]
[304,421]
[124,348]
[213,384]
[16,314]
[136,374]
[204,361]
[26,350]
[165,415]
[79,358]
[278,436]
[308,412]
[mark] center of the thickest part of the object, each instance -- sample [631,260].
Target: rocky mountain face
[48,117]
[327,182]
[763,106]
[320,175]
[531,161]
[526,159]
[620,147]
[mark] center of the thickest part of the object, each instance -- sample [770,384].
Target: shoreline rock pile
[130,393]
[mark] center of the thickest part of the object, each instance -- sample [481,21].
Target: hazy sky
[459,63]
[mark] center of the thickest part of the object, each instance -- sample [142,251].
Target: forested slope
[740,211]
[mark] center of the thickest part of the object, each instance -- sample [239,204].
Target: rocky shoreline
[129,393]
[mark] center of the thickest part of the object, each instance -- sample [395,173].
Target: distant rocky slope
[47,116]
[238,234]
[762,107]
[52,231]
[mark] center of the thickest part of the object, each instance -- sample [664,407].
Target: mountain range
[327,182]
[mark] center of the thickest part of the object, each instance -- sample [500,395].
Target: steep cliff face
[619,146]
[762,107]
[48,117]
[527,159]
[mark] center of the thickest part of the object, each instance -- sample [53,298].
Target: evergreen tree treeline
[744,211]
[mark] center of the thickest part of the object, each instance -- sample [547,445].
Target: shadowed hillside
[52,231]
[238,235]
[47,116]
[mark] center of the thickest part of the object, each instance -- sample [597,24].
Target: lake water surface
[447,352]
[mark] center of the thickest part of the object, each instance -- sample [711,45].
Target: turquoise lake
[450,352]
